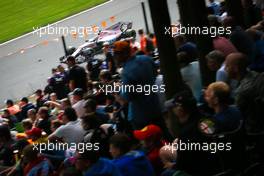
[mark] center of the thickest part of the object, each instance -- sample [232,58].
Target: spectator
[90,108]
[252,13]
[43,120]
[58,84]
[183,45]
[12,120]
[168,155]
[190,71]
[154,40]
[249,92]
[142,38]
[91,164]
[149,48]
[216,62]
[6,153]
[95,134]
[188,117]
[62,70]
[224,45]
[129,162]
[34,163]
[65,103]
[78,102]
[32,115]
[71,131]
[93,68]
[27,124]
[39,98]
[13,109]
[258,63]
[111,66]
[77,75]
[25,106]
[55,124]
[227,118]
[137,70]
[105,77]
[243,42]
[151,138]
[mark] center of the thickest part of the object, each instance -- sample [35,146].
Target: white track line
[2,44]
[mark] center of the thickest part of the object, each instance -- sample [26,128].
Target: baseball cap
[78,92]
[148,131]
[184,98]
[34,132]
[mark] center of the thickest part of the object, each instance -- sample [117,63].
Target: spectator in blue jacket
[90,163]
[129,162]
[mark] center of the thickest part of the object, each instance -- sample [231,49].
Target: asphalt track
[26,62]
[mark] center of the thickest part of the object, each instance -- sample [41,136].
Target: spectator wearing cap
[25,105]
[227,117]
[151,136]
[129,162]
[77,75]
[79,102]
[183,45]
[71,131]
[137,70]
[91,164]
[185,109]
[43,119]
[13,108]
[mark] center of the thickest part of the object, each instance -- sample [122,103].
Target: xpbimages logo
[178,29]
[81,147]
[145,89]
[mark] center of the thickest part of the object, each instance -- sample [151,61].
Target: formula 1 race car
[91,47]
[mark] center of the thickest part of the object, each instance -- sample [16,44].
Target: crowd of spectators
[130,133]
